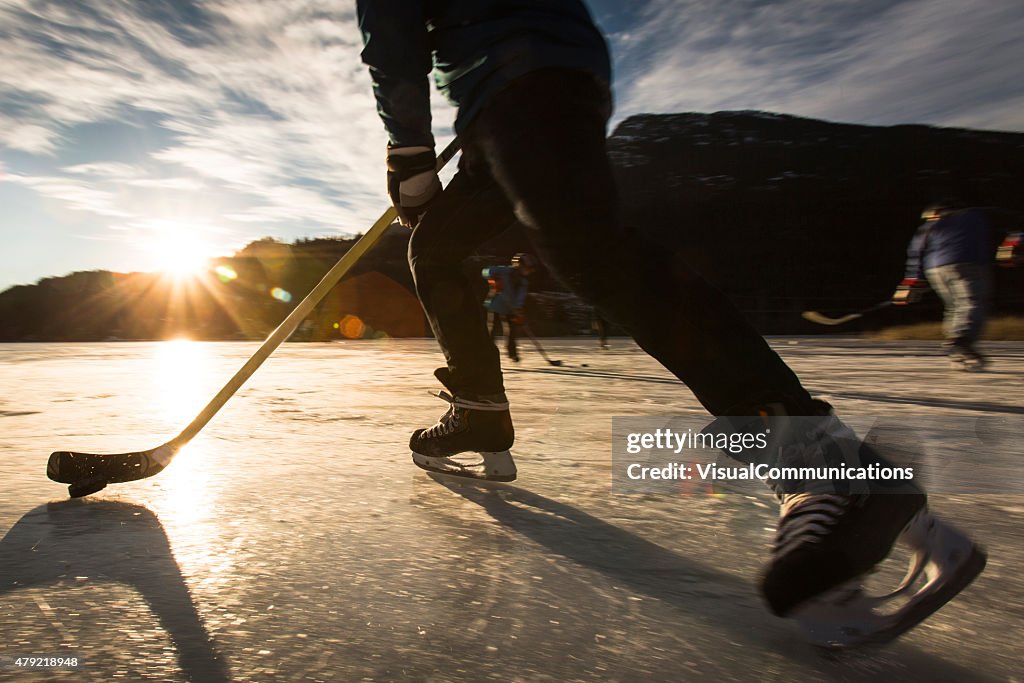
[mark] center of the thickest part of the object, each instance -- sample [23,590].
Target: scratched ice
[294,541]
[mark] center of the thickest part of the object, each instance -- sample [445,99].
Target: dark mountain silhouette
[784,213]
[789,214]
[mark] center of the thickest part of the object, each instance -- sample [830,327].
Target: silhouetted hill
[241,297]
[785,213]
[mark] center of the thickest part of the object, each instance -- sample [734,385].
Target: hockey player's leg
[544,139]
[970,285]
[477,421]
[964,290]
[511,341]
[465,215]
[552,164]
[496,327]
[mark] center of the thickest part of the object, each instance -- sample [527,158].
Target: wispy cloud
[255,117]
[76,195]
[911,61]
[253,96]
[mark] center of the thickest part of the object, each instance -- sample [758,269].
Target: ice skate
[944,561]
[967,359]
[471,440]
[827,543]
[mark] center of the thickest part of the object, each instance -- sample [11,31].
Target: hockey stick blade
[540,349]
[76,468]
[90,472]
[822,319]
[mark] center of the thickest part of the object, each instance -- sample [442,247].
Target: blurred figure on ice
[600,327]
[952,251]
[506,298]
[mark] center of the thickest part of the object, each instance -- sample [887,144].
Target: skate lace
[807,518]
[452,420]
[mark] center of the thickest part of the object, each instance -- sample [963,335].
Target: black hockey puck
[88,486]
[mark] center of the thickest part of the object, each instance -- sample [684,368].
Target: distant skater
[531,82]
[600,327]
[953,252]
[506,299]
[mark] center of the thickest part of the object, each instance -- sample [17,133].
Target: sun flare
[182,256]
[180,249]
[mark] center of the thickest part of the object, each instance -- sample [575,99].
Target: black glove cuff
[407,166]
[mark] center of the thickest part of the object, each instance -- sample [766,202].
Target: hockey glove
[412,182]
[1011,251]
[909,291]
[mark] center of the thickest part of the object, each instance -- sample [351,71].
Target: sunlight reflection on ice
[186,484]
[185,500]
[181,365]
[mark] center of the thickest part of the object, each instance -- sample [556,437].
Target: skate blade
[493,468]
[848,617]
[450,480]
[844,624]
[931,599]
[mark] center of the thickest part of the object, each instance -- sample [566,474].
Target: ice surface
[293,540]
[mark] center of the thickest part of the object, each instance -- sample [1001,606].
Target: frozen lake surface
[293,540]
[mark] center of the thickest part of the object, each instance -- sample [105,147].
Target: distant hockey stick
[90,472]
[529,333]
[822,319]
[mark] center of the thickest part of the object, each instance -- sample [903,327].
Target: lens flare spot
[225,273]
[351,327]
[281,294]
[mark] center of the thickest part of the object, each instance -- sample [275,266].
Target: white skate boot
[944,562]
[829,537]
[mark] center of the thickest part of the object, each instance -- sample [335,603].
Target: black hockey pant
[536,153]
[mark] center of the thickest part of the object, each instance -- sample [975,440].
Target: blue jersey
[508,289]
[959,237]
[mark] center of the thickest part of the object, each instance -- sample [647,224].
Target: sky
[137,135]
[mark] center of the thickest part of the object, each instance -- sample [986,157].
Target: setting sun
[182,256]
[180,249]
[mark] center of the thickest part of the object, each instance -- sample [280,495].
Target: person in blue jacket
[531,80]
[953,252]
[506,298]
